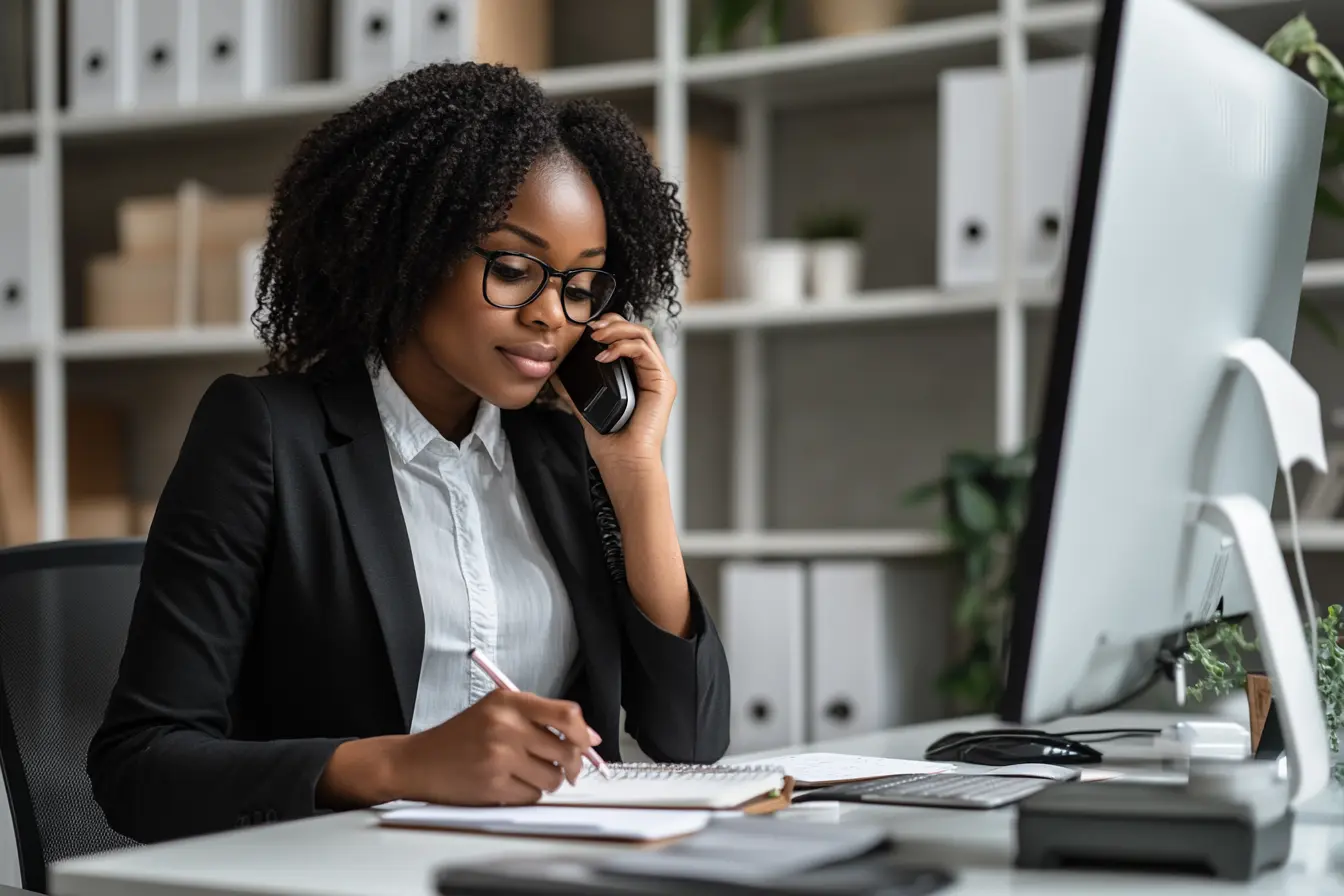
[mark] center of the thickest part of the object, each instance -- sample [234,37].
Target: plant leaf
[1326,68]
[1313,314]
[923,492]
[1291,40]
[975,508]
[968,605]
[1328,203]
[967,464]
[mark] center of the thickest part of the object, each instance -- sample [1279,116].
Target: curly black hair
[383,200]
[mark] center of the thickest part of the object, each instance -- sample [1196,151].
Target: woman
[338,533]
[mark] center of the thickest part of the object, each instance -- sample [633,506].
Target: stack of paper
[553,821]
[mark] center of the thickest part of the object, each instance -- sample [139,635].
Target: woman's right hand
[496,752]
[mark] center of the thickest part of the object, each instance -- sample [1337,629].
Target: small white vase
[834,18]
[776,271]
[837,266]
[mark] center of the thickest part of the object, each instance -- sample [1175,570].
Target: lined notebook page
[655,785]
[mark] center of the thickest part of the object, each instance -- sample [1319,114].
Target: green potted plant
[984,498]
[728,18]
[835,253]
[1219,653]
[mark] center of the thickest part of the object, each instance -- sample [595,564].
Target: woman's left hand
[640,442]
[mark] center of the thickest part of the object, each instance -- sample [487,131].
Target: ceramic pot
[776,271]
[834,18]
[836,268]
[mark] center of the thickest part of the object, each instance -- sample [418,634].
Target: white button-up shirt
[486,578]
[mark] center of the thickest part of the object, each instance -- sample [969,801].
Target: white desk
[349,854]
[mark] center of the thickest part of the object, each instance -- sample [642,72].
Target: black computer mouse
[1010,747]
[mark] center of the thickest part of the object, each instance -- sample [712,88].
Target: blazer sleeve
[162,764]
[675,690]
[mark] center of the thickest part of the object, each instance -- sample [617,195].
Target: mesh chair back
[64,612]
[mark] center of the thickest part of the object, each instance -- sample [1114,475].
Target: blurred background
[864,315]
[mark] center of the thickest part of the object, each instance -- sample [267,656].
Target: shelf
[1072,22]
[1317,535]
[819,543]
[126,344]
[17,125]
[740,314]
[317,99]
[1323,275]
[11,352]
[810,71]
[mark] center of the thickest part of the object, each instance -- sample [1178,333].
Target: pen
[502,680]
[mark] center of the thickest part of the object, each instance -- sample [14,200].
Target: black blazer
[278,613]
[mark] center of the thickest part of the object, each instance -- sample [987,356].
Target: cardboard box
[152,226]
[109,516]
[95,469]
[142,514]
[125,293]
[514,32]
[703,200]
[142,292]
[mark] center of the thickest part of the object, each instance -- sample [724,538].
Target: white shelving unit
[753,84]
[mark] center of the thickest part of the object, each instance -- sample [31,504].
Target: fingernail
[598,324]
[594,737]
[604,356]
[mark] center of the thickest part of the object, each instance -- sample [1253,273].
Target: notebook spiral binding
[656,771]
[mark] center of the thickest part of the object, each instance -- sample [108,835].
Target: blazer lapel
[362,476]
[556,488]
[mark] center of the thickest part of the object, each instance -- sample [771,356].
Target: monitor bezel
[1033,543]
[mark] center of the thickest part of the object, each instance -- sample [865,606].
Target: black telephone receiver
[604,392]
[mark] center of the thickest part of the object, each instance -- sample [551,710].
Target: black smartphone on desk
[603,391]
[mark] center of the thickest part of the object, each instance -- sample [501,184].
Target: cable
[1308,605]
[1118,732]
[1130,695]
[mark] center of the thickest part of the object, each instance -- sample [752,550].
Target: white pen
[502,680]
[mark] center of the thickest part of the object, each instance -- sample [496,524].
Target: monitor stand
[1234,818]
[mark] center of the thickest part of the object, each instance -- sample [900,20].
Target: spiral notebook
[651,785]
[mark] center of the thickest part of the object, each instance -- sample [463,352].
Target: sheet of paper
[553,821]
[819,769]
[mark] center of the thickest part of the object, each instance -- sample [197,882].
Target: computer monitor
[1194,202]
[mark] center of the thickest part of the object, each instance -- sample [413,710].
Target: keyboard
[946,791]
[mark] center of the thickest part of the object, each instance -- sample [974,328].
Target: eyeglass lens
[514,279]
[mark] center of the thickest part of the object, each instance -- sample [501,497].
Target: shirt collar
[410,433]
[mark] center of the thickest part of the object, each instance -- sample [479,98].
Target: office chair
[64,612]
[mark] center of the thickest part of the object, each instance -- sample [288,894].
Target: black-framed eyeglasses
[515,279]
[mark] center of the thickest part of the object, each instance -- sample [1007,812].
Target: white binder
[762,608]
[371,39]
[96,58]
[877,645]
[439,31]
[282,44]
[970,133]
[17,264]
[213,35]
[1055,102]
[154,52]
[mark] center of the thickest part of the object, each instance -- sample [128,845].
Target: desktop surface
[348,853]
